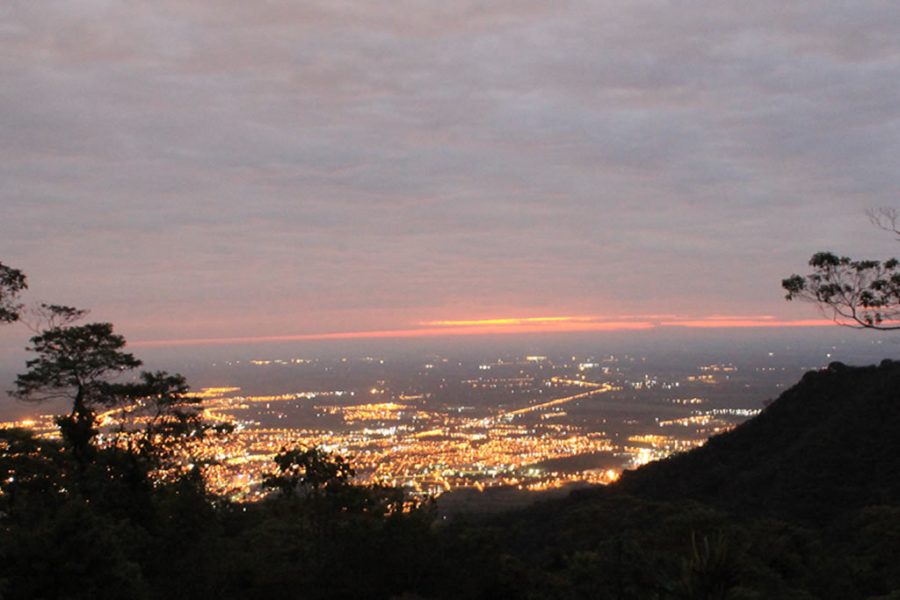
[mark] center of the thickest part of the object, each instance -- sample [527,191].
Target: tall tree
[75,363]
[12,282]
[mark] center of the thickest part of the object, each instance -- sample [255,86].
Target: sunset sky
[300,170]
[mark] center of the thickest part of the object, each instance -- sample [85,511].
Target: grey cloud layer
[284,157]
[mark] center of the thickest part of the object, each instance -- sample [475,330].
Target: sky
[193,170]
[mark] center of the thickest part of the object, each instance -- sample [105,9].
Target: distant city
[436,423]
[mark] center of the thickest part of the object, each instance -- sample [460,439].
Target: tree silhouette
[156,415]
[864,294]
[75,363]
[12,282]
[308,471]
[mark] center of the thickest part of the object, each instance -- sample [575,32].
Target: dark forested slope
[828,445]
[802,501]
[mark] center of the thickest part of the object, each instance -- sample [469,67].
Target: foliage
[863,294]
[12,283]
[307,471]
[857,293]
[75,363]
[158,418]
[71,553]
[50,316]
[710,571]
[31,472]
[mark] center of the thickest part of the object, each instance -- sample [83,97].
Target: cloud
[220,168]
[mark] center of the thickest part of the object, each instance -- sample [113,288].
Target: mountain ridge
[827,445]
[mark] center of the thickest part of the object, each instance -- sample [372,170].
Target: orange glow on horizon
[725,322]
[510,321]
[504,326]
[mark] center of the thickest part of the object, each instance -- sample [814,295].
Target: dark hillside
[828,445]
[801,502]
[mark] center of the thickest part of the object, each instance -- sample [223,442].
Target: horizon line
[509,326]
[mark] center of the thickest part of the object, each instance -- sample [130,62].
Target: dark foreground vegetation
[800,502]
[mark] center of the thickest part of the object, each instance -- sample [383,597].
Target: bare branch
[885,218]
[49,316]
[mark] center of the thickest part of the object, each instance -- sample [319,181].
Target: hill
[827,446]
[802,501]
